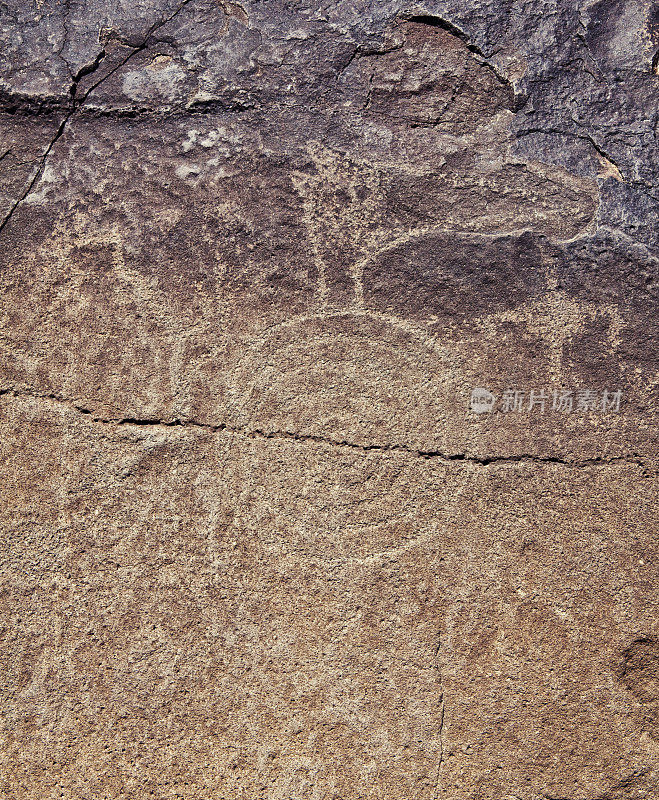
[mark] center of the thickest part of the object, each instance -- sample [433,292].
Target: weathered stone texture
[254,257]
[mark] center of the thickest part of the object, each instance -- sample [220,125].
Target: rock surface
[255,257]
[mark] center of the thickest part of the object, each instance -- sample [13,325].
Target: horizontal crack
[284,435]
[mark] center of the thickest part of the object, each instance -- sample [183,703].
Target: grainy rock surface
[256,544]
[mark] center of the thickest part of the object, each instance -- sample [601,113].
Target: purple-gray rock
[260,541]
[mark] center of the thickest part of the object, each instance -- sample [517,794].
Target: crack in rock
[442,701]
[448,26]
[76,104]
[585,137]
[293,436]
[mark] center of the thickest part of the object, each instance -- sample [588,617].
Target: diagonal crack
[442,711]
[440,762]
[585,137]
[87,69]
[75,103]
[38,172]
[448,26]
[294,436]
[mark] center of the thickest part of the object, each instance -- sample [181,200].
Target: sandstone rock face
[256,541]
